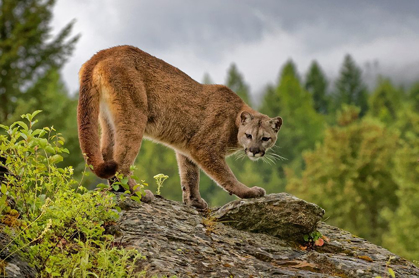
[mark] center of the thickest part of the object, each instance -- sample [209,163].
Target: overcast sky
[259,36]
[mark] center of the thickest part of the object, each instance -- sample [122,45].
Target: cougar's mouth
[254,155]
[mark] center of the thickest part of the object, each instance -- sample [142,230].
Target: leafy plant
[160,178]
[120,183]
[58,223]
[313,239]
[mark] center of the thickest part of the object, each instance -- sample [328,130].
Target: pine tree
[385,101]
[350,88]
[27,49]
[270,102]
[316,84]
[303,126]
[235,82]
[207,79]
[289,69]
[413,96]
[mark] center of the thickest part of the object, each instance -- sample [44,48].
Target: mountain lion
[132,95]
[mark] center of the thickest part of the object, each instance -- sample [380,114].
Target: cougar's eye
[248,136]
[265,139]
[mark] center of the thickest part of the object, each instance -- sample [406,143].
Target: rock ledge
[177,240]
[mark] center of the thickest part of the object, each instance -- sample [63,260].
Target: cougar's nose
[256,152]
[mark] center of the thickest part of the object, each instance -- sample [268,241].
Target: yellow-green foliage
[59,223]
[404,222]
[350,175]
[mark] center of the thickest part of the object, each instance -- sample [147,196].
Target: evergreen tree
[270,102]
[27,49]
[303,126]
[316,85]
[351,175]
[350,88]
[235,82]
[385,102]
[413,96]
[207,79]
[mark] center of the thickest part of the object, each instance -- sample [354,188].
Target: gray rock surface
[281,215]
[178,240]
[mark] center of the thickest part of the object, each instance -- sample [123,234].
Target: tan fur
[132,95]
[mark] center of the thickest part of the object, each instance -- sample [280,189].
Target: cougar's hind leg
[128,109]
[189,179]
[129,132]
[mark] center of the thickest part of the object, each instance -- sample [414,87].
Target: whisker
[267,160]
[239,155]
[271,160]
[276,156]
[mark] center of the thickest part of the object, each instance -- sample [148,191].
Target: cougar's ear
[276,123]
[245,117]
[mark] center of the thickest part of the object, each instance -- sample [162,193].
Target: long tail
[88,123]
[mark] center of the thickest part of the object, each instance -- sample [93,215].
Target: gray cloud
[259,36]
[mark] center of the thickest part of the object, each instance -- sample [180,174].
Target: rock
[15,266]
[177,240]
[281,215]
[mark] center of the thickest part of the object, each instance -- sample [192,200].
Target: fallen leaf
[326,238]
[365,258]
[227,265]
[319,242]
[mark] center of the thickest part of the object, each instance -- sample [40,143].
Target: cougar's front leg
[189,180]
[216,167]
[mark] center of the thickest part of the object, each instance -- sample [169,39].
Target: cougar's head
[257,133]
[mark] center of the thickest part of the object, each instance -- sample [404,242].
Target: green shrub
[58,223]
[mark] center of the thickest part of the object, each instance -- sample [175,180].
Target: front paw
[254,192]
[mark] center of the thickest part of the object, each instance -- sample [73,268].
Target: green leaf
[43,143]
[391,272]
[56,158]
[20,123]
[102,186]
[124,181]
[3,188]
[36,132]
[135,198]
[49,149]
[35,113]
[24,136]
[137,186]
